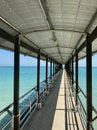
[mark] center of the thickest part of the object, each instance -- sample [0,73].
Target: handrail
[93,108]
[81,104]
[28,108]
[82,92]
[10,105]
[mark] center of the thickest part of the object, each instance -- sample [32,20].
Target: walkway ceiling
[55,27]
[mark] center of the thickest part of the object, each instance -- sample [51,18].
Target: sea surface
[28,80]
[82,84]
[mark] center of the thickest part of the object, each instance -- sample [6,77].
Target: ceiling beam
[54,30]
[92,37]
[18,31]
[63,57]
[58,46]
[43,5]
[13,39]
[62,53]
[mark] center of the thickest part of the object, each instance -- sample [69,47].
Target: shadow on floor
[43,119]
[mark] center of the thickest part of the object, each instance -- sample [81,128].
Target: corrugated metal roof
[56,27]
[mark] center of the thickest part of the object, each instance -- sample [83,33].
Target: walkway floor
[58,111]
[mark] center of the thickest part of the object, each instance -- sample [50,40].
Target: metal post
[38,78]
[16,86]
[51,69]
[70,67]
[76,76]
[47,73]
[89,81]
[72,74]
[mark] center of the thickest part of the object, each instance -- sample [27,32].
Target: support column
[16,86]
[72,74]
[38,82]
[76,77]
[47,76]
[89,81]
[51,69]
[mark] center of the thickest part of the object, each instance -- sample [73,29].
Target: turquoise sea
[82,84]
[28,79]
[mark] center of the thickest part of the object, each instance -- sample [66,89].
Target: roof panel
[23,14]
[52,50]
[71,17]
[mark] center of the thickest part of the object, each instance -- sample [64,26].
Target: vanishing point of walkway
[58,109]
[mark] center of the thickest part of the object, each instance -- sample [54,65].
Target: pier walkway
[58,109]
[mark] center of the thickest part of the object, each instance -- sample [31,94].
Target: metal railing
[81,107]
[27,105]
[82,110]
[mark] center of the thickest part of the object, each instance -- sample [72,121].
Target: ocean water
[28,80]
[82,84]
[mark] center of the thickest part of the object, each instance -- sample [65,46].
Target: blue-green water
[82,84]
[28,80]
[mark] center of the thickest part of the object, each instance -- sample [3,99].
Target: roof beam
[8,37]
[58,46]
[92,37]
[17,30]
[13,39]
[62,53]
[44,8]
[54,30]
[64,56]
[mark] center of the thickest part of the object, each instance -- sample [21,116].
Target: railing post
[38,81]
[76,77]
[47,90]
[89,81]
[16,85]
[51,69]
[72,74]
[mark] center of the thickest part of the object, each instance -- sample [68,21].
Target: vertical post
[51,69]
[70,69]
[16,85]
[72,74]
[38,78]
[76,76]
[47,74]
[89,81]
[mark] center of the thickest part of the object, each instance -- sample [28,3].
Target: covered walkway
[60,32]
[58,111]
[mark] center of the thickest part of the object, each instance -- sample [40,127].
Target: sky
[7,59]
[82,62]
